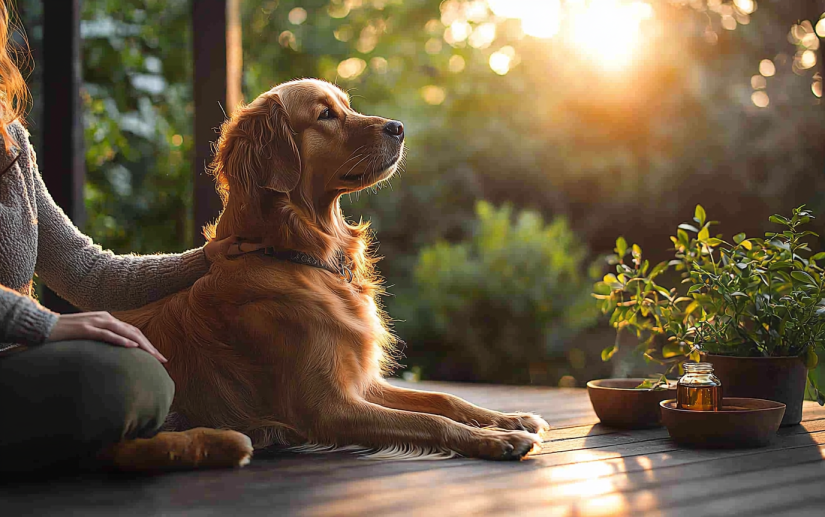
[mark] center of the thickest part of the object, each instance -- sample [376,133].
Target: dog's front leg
[453,407]
[359,422]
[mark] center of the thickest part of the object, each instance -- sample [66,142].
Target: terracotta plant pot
[781,379]
[618,404]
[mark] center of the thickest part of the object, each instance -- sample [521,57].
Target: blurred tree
[499,305]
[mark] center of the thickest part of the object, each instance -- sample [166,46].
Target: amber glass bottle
[699,389]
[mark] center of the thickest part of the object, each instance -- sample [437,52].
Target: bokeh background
[538,131]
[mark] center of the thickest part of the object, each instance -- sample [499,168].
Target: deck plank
[584,468]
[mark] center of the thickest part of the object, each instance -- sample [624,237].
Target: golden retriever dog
[289,344]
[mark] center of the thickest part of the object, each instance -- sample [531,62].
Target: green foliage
[137,101]
[637,303]
[759,297]
[511,294]
[752,297]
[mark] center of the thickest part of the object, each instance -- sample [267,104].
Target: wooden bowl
[742,422]
[618,404]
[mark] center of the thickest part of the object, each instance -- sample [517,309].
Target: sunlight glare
[297,16]
[808,59]
[500,61]
[760,99]
[820,28]
[746,6]
[539,18]
[351,68]
[758,82]
[605,31]
[460,30]
[433,95]
[767,68]
[608,30]
[508,8]
[456,64]
[544,19]
[483,35]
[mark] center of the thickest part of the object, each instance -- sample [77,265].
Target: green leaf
[778,219]
[621,247]
[694,288]
[601,288]
[739,237]
[608,352]
[658,384]
[803,277]
[819,256]
[704,234]
[684,240]
[699,215]
[664,292]
[713,241]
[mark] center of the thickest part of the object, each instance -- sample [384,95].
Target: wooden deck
[583,469]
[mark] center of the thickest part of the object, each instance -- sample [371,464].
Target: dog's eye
[326,114]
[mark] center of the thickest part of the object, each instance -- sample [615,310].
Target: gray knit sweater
[37,237]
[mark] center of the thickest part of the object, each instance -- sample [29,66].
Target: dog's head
[304,140]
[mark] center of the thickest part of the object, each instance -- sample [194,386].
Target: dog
[289,344]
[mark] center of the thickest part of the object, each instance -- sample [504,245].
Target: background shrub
[507,297]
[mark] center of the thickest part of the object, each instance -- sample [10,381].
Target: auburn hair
[14,93]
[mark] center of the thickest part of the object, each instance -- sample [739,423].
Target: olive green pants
[61,403]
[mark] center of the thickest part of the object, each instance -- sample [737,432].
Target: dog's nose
[395,128]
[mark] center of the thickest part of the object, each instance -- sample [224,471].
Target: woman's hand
[101,326]
[228,247]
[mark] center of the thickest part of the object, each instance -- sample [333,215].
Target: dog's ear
[258,150]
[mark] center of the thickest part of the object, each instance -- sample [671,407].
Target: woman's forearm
[89,277]
[23,320]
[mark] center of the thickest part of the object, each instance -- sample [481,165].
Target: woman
[79,382]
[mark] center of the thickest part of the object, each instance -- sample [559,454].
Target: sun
[607,32]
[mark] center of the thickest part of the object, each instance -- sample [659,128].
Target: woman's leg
[61,403]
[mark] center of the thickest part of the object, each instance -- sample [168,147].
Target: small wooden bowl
[742,422]
[618,404]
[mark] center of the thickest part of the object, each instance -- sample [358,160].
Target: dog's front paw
[522,422]
[506,445]
[195,448]
[221,448]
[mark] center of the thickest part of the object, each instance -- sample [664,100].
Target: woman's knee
[127,390]
[68,400]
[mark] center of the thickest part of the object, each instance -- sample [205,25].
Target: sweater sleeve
[89,277]
[23,320]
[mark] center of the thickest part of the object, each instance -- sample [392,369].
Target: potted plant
[754,307]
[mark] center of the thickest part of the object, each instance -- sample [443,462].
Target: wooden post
[217,87]
[234,55]
[62,158]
